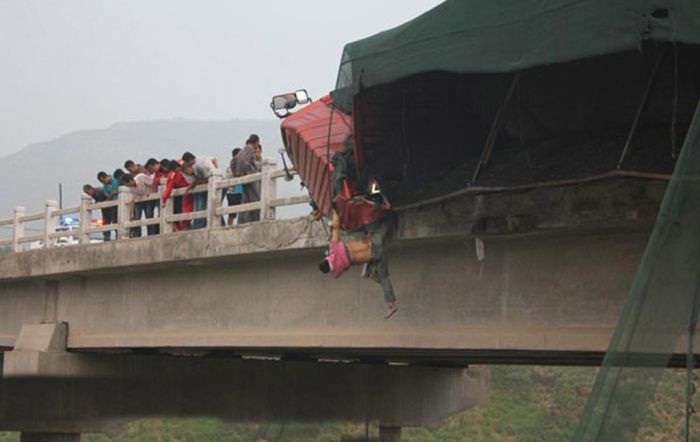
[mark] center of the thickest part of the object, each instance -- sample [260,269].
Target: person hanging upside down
[371,252]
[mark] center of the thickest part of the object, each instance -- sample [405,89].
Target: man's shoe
[391,310]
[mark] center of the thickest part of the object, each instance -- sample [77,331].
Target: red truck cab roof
[311,137]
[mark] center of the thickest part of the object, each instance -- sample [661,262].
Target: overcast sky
[84,64]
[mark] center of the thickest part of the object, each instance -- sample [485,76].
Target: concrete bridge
[533,275]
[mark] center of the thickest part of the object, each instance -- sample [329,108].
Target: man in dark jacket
[107,213]
[247,164]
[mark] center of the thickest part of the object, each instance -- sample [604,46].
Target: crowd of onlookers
[184,173]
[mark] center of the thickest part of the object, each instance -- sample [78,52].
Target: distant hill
[31,176]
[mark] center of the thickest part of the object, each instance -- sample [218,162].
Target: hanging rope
[642,105]
[495,127]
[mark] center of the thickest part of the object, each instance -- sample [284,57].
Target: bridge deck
[558,264]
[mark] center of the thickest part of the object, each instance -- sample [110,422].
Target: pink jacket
[338,257]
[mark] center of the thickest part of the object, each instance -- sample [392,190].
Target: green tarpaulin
[661,307]
[483,36]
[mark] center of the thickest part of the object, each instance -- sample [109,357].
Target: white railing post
[18,231]
[268,190]
[123,215]
[85,218]
[49,222]
[213,200]
[163,212]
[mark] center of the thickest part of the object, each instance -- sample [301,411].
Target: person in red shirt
[180,179]
[341,255]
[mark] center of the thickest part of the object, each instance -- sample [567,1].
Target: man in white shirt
[203,168]
[143,185]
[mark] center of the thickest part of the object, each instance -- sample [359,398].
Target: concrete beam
[527,294]
[42,337]
[192,247]
[238,390]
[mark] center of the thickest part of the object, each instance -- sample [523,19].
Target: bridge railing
[56,235]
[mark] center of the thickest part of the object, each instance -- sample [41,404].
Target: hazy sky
[83,64]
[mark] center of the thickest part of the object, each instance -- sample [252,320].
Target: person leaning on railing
[119,175]
[110,190]
[179,178]
[149,207]
[163,173]
[98,196]
[141,185]
[247,163]
[203,168]
[133,168]
[234,194]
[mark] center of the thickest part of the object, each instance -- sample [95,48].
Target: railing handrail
[267,204]
[239,208]
[33,217]
[248,179]
[67,211]
[100,205]
[184,191]
[150,197]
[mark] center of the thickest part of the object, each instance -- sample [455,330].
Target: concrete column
[163,212]
[49,222]
[85,218]
[268,190]
[389,434]
[40,350]
[213,200]
[123,214]
[49,437]
[18,231]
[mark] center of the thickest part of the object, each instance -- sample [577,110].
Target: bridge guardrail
[214,188]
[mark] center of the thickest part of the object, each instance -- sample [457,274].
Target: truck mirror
[302,97]
[281,104]
[284,101]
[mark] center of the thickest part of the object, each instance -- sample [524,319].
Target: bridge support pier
[389,434]
[49,437]
[40,350]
